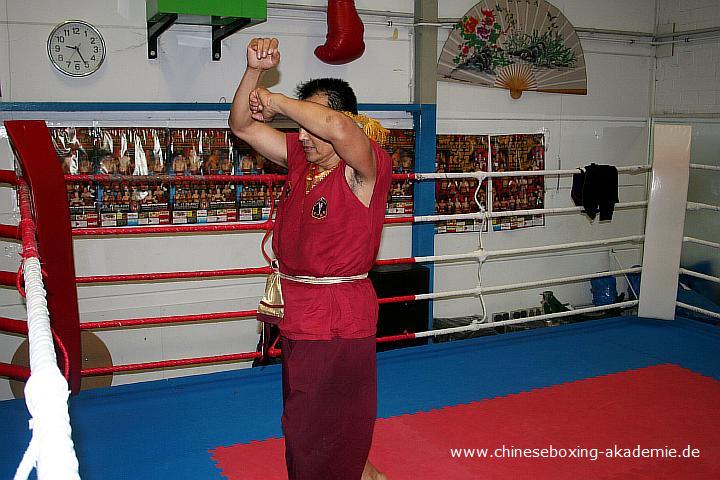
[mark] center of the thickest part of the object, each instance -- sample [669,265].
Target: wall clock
[76,48]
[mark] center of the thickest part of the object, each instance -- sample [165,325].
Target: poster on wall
[400,144]
[256,198]
[456,154]
[512,153]
[75,148]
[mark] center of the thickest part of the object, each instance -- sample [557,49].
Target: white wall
[609,125]
[704,224]
[688,79]
[688,91]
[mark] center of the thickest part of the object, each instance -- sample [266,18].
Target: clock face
[76,48]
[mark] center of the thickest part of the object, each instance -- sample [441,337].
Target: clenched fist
[261,108]
[263,53]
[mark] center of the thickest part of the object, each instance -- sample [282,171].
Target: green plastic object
[208,12]
[551,304]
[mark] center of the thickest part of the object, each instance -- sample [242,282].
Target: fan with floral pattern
[518,45]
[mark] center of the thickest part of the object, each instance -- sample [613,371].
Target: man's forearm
[319,120]
[240,110]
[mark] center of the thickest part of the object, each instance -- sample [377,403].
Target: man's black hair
[339,94]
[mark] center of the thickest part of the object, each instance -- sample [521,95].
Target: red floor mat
[604,427]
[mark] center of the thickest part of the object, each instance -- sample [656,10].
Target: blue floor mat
[164,429]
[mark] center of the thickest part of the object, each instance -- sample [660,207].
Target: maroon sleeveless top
[328,233]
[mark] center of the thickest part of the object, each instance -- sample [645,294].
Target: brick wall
[688,82]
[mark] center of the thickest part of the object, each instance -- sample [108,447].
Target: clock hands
[77,50]
[72,48]
[81,56]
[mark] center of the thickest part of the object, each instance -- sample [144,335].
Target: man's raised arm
[262,54]
[348,140]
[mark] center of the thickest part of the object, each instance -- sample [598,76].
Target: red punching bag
[344,40]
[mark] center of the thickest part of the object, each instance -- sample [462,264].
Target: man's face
[316,149]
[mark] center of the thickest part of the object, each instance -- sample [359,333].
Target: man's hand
[261,107]
[263,53]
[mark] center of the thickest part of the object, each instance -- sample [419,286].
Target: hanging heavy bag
[344,41]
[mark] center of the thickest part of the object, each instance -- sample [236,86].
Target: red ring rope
[144,230]
[266,226]
[63,350]
[134,179]
[173,275]
[169,363]
[265,178]
[198,317]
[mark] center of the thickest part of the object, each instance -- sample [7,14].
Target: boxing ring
[571,391]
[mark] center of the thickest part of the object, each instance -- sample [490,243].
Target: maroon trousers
[330,405]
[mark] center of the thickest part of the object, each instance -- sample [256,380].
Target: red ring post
[30,140]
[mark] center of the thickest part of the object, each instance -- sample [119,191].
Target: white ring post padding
[51,448]
[699,241]
[700,275]
[546,316]
[702,206]
[693,308]
[700,166]
[665,221]
[480,175]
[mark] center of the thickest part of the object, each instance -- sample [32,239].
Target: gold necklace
[314,176]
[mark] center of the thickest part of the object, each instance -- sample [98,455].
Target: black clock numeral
[92,40]
[93,58]
[57,48]
[87,65]
[76,31]
[60,38]
[68,63]
[66,31]
[96,49]
[77,66]
[60,58]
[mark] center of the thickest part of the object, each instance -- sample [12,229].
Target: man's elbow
[343,127]
[238,128]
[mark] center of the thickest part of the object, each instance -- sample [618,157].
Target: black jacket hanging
[596,189]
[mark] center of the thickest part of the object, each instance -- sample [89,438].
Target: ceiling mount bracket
[220,32]
[155,29]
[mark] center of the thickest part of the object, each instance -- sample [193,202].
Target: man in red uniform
[326,237]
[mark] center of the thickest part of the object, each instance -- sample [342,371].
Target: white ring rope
[693,308]
[481,175]
[629,283]
[523,285]
[547,316]
[566,246]
[703,276]
[699,241]
[560,280]
[489,254]
[481,298]
[51,448]
[699,166]
[702,206]
[517,213]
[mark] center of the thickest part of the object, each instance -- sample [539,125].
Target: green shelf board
[207,12]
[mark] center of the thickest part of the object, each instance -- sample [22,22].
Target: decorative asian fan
[518,45]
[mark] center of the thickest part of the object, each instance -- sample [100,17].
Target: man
[326,237]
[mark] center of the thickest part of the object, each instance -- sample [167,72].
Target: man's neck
[328,164]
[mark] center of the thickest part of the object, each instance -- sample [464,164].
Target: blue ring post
[423,234]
